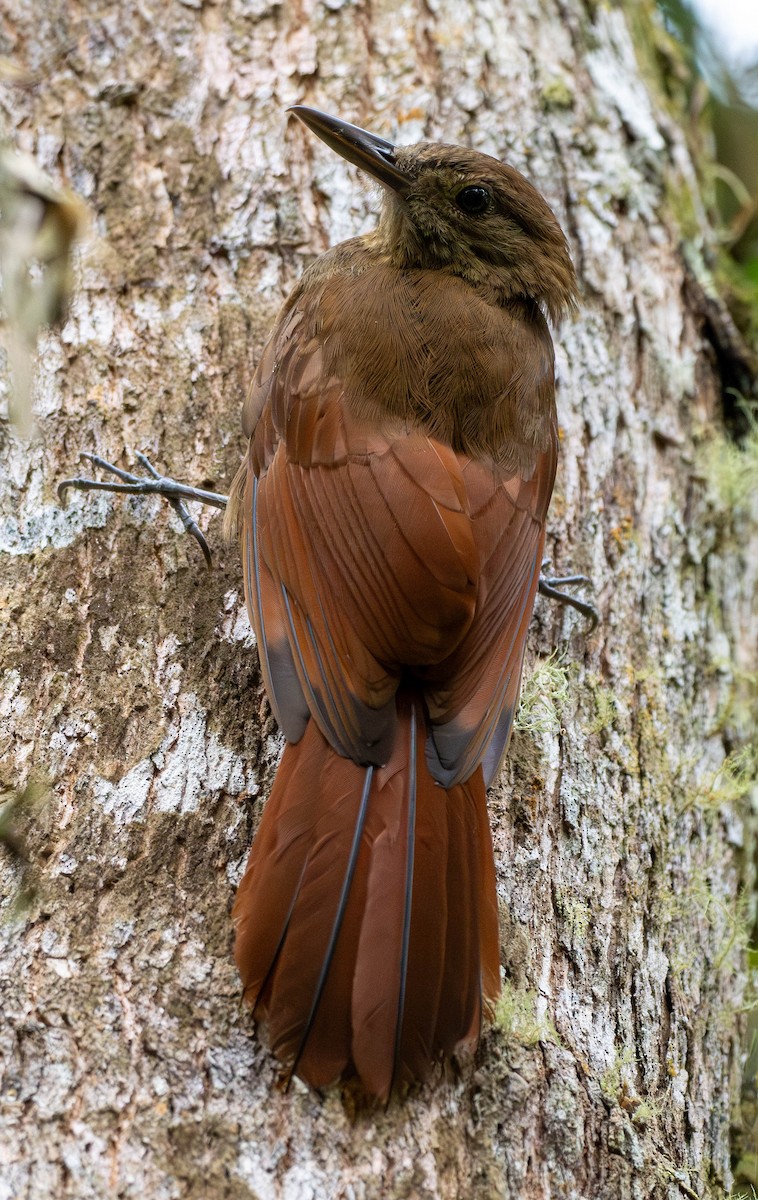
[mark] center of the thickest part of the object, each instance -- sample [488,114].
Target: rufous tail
[366,922]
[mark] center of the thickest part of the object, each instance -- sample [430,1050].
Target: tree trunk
[131,694]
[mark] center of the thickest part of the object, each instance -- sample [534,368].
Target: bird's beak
[365,150]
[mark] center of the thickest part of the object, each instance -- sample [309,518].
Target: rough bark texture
[130,680]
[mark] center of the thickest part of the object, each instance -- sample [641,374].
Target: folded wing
[377,556]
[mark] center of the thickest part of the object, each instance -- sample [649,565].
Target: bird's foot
[152,484]
[553,585]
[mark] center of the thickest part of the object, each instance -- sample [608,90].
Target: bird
[391,510]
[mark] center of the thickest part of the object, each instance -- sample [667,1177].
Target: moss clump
[668,1172]
[730,469]
[612,1081]
[517,1018]
[655,758]
[19,808]
[739,704]
[606,706]
[556,94]
[734,779]
[696,921]
[543,696]
[576,914]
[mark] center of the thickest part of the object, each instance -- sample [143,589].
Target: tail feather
[428,933]
[458,1021]
[381,967]
[327,1049]
[330,972]
[270,887]
[303,964]
[367,919]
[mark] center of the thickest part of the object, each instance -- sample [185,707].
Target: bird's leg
[552,586]
[154,484]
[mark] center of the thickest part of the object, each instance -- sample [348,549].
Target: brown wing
[472,695]
[374,553]
[360,556]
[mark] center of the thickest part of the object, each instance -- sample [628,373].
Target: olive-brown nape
[514,247]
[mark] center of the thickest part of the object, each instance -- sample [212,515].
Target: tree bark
[130,685]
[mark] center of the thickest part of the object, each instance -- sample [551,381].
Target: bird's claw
[552,586]
[156,485]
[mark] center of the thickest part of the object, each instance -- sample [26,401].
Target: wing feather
[472,695]
[375,574]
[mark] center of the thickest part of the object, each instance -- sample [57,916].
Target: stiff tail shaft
[366,923]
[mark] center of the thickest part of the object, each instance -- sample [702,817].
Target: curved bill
[365,150]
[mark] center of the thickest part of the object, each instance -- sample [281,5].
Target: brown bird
[392,512]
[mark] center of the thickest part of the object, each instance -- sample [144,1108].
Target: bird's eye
[473,200]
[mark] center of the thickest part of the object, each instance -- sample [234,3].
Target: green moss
[730,469]
[740,704]
[611,1081]
[692,911]
[668,1172]
[556,94]
[656,765]
[646,1112]
[680,203]
[19,809]
[543,695]
[663,60]
[606,707]
[575,913]
[517,1019]
[734,779]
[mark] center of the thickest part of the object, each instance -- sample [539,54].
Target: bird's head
[454,209]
